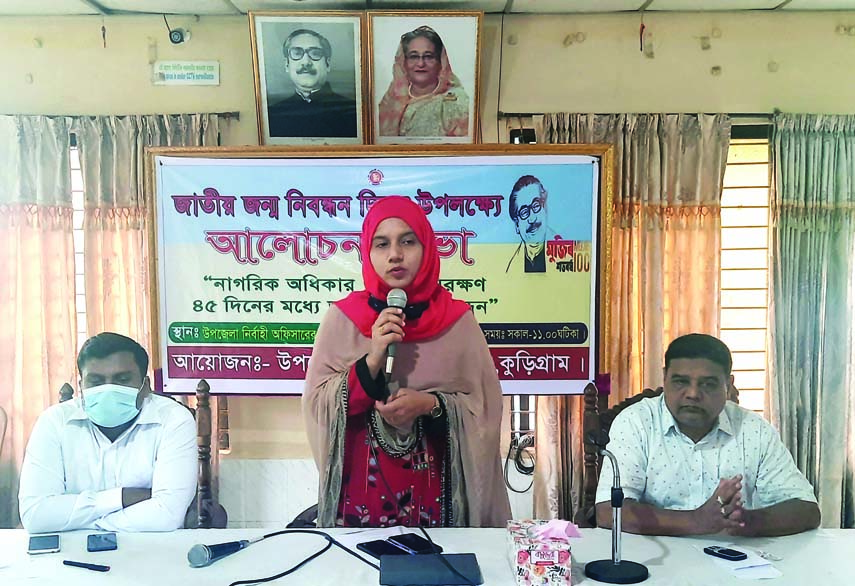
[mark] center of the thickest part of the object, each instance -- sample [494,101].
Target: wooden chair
[209,513]
[306,519]
[596,422]
[4,419]
[204,512]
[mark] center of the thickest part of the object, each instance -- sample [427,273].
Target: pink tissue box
[537,561]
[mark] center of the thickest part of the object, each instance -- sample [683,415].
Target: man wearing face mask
[117,457]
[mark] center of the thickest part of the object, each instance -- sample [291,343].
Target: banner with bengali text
[251,253]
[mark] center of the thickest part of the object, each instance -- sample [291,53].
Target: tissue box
[537,562]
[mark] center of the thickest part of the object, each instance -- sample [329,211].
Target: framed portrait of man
[308,77]
[424,69]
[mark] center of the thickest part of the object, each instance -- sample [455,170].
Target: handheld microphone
[395,298]
[200,555]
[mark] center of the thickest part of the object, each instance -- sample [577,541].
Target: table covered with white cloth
[824,557]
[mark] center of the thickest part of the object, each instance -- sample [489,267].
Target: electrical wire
[435,550]
[501,54]
[445,561]
[526,469]
[330,542]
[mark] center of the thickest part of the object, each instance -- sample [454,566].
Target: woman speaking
[426,452]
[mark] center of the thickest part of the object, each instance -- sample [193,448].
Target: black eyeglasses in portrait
[414,57]
[315,53]
[525,211]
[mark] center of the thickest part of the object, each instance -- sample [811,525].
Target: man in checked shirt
[693,463]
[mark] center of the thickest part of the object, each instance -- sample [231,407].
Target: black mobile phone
[43,544]
[725,553]
[380,547]
[414,543]
[101,542]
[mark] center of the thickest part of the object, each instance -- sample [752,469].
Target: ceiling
[236,7]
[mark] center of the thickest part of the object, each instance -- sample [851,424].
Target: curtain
[38,343]
[117,220]
[666,241]
[812,303]
[559,466]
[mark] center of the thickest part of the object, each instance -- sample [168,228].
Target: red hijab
[442,310]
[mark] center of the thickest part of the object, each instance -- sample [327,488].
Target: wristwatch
[436,411]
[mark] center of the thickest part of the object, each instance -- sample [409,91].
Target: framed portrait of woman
[423,76]
[308,73]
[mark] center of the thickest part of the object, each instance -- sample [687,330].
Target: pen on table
[93,567]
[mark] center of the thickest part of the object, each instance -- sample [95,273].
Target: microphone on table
[200,555]
[395,298]
[615,570]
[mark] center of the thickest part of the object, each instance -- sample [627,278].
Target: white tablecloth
[817,558]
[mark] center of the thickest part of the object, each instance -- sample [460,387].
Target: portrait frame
[400,117]
[279,109]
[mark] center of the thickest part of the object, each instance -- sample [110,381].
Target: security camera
[178,36]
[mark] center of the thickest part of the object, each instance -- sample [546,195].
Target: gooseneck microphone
[395,298]
[615,570]
[200,555]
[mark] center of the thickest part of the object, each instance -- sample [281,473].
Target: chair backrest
[596,422]
[4,420]
[66,392]
[209,513]
[205,511]
[306,519]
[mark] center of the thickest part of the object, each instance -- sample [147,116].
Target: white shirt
[73,474]
[661,466]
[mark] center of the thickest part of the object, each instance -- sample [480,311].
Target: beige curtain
[811,346]
[38,341]
[665,265]
[116,222]
[119,286]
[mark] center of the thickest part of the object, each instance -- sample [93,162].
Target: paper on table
[12,559]
[757,572]
[751,568]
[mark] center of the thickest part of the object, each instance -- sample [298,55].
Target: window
[79,280]
[745,264]
[522,416]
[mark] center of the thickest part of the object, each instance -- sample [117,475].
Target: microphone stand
[615,570]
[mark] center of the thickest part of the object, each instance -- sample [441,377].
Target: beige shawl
[456,364]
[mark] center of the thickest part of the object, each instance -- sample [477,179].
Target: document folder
[428,569]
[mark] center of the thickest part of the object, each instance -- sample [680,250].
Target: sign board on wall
[186,72]
[252,250]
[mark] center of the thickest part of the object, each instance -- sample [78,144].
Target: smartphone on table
[43,544]
[380,547]
[725,553]
[413,543]
[101,542]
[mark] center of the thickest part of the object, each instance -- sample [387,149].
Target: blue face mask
[110,405]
